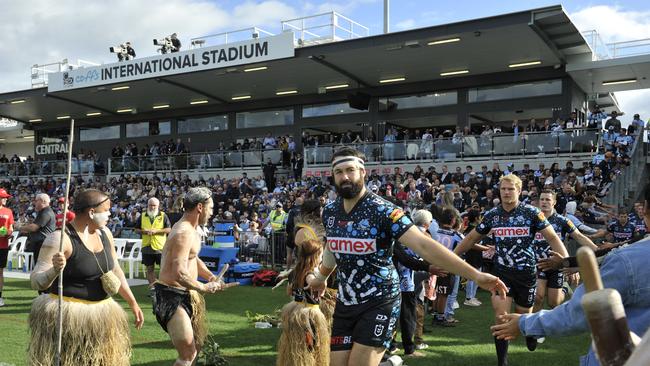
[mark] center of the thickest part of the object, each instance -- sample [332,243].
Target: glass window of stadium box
[278,117]
[203,124]
[330,109]
[418,101]
[99,133]
[143,129]
[512,91]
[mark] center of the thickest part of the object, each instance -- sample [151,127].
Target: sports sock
[0,294]
[502,351]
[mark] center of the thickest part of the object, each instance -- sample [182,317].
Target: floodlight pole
[386,16]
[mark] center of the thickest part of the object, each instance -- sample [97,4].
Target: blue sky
[47,31]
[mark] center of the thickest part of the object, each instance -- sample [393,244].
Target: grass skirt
[327,305]
[305,338]
[199,323]
[94,334]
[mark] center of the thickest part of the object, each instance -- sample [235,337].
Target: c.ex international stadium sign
[228,55]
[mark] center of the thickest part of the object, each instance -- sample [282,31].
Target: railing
[195,161]
[229,37]
[469,147]
[598,47]
[40,73]
[606,51]
[629,48]
[324,28]
[47,168]
[630,178]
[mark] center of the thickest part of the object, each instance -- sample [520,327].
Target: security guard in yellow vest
[154,227]
[278,220]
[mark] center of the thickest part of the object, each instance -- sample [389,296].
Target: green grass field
[468,344]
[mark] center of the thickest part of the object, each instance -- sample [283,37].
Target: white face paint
[100,218]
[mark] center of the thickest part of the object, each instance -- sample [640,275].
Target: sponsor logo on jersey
[508,232]
[341,340]
[396,214]
[330,221]
[381,317]
[541,216]
[539,236]
[352,245]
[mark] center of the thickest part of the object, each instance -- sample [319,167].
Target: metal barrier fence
[194,161]
[499,146]
[47,167]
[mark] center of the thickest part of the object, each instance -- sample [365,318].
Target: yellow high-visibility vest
[155,241]
[277,220]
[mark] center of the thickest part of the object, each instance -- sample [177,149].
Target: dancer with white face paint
[361,228]
[91,276]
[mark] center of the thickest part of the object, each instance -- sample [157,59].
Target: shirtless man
[178,306]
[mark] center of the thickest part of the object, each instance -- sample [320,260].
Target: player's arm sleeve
[569,318]
[396,222]
[540,221]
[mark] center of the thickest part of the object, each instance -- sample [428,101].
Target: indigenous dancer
[94,328]
[305,330]
[361,227]
[177,304]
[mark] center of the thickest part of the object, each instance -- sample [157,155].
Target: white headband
[345,159]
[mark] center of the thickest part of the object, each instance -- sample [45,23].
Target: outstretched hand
[508,327]
[554,261]
[492,284]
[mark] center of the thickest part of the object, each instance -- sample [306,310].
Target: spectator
[154,227]
[44,224]
[613,124]
[269,173]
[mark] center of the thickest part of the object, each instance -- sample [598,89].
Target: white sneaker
[472,302]
[421,346]
[541,340]
[2,301]
[455,306]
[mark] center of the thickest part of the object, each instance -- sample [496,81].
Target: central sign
[228,55]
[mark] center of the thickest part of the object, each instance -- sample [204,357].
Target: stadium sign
[51,149]
[227,55]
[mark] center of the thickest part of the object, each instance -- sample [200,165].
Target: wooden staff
[605,314]
[59,321]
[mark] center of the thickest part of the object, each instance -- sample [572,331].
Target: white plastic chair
[24,258]
[120,245]
[134,259]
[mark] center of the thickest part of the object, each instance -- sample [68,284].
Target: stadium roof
[485,46]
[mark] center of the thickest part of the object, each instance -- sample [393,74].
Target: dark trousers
[407,321]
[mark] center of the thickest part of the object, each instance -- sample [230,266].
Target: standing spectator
[269,173]
[638,124]
[154,227]
[297,162]
[595,119]
[6,229]
[42,225]
[389,145]
[278,221]
[59,216]
[613,125]
[269,142]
